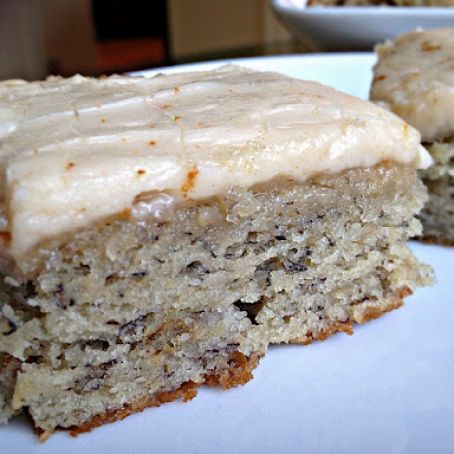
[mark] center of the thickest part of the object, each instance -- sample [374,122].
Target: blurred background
[93,37]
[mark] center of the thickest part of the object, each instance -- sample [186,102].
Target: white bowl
[355,28]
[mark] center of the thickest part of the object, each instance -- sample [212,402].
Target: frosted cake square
[414,77]
[158,234]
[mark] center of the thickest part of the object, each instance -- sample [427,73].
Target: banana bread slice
[158,234]
[414,77]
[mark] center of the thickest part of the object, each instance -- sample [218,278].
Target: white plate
[352,28]
[389,388]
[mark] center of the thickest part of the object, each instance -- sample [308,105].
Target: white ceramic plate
[389,388]
[355,28]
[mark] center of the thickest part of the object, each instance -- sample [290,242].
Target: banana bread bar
[414,77]
[158,234]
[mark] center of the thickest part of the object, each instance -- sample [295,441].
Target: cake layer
[414,78]
[74,151]
[125,314]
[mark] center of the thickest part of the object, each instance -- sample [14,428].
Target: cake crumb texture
[137,312]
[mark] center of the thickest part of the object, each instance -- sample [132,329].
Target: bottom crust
[239,373]
[433,239]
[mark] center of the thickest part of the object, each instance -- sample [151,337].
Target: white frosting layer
[414,78]
[76,150]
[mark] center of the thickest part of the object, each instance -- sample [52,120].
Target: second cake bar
[414,77]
